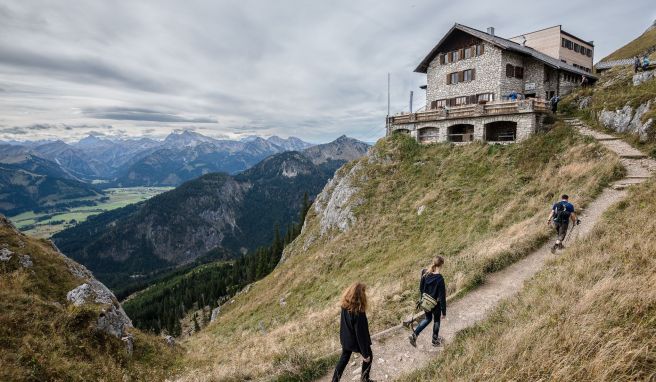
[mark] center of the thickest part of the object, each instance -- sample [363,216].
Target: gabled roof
[504,44]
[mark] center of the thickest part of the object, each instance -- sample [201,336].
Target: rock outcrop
[640,78]
[334,205]
[626,120]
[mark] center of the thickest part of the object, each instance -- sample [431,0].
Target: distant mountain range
[216,212]
[181,156]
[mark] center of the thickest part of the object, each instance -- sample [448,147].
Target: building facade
[483,87]
[557,43]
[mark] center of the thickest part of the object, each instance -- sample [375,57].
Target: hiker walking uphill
[433,300]
[560,216]
[354,331]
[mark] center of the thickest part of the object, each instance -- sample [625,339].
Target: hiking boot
[554,248]
[413,339]
[437,341]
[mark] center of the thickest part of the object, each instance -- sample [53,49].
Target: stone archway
[462,132]
[428,134]
[501,131]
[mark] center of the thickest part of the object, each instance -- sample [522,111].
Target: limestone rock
[112,319]
[585,102]
[5,254]
[626,120]
[639,78]
[170,340]
[421,210]
[334,205]
[25,261]
[215,313]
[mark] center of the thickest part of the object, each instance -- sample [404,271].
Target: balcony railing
[473,110]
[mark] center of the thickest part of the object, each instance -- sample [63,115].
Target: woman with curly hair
[354,331]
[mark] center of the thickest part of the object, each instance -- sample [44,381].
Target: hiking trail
[393,354]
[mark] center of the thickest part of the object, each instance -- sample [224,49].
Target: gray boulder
[334,205]
[215,313]
[626,120]
[640,78]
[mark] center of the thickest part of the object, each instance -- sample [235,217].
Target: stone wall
[527,124]
[486,79]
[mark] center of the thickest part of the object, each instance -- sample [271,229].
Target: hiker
[354,331]
[584,80]
[636,64]
[645,63]
[554,103]
[513,96]
[433,300]
[561,213]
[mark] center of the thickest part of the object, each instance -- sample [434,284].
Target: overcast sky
[312,69]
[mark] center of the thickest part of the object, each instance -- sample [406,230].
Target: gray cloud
[290,67]
[141,114]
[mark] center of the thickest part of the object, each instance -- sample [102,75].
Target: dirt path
[394,356]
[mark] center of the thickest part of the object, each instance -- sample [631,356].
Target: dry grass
[589,316]
[42,338]
[484,207]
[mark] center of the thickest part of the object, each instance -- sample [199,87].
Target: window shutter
[448,79]
[461,76]
[473,74]
[472,99]
[482,49]
[433,105]
[473,51]
[442,60]
[462,53]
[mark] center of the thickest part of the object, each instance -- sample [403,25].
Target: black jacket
[354,333]
[433,284]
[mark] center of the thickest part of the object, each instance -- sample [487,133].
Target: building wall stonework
[486,78]
[527,124]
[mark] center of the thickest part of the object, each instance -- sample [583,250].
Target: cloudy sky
[312,69]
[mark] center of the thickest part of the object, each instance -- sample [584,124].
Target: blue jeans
[435,316]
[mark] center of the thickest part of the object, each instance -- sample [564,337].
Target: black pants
[343,361]
[435,316]
[561,229]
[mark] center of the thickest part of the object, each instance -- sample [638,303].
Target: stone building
[484,87]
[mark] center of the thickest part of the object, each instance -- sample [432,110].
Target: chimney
[490,30]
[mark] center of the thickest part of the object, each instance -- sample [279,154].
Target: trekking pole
[570,232]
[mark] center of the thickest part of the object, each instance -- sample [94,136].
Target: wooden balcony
[473,110]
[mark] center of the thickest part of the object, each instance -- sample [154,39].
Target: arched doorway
[428,134]
[460,133]
[501,131]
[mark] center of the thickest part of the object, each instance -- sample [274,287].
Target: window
[480,49]
[454,56]
[588,52]
[468,53]
[510,70]
[452,78]
[487,97]
[519,72]
[461,100]
[468,75]
[577,47]
[547,76]
[562,42]
[440,103]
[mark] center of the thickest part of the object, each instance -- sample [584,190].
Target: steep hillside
[591,312]
[380,220]
[621,102]
[57,323]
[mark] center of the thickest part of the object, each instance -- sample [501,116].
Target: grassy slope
[485,207]
[44,338]
[635,47]
[589,316]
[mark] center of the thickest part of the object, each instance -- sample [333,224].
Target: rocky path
[393,354]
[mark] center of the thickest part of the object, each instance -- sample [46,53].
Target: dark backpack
[561,215]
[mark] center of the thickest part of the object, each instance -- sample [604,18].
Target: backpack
[561,215]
